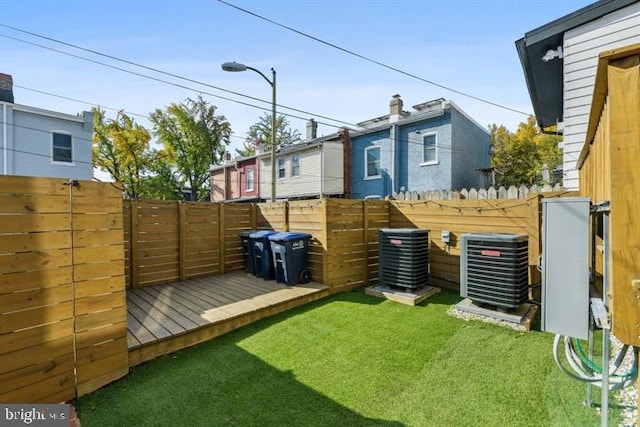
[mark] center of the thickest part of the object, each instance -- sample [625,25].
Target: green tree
[193,137]
[519,157]
[163,183]
[121,148]
[262,131]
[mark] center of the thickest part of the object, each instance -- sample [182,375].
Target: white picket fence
[484,193]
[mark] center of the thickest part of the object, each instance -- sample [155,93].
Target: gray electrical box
[565,266]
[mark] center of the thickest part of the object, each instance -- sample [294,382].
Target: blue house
[436,147]
[37,142]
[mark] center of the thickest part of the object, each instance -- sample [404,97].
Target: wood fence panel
[346,258]
[155,229]
[36,298]
[272,216]
[467,216]
[376,216]
[609,172]
[307,216]
[236,218]
[201,234]
[99,285]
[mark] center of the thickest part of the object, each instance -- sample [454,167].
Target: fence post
[221,236]
[135,249]
[182,243]
[286,216]
[325,242]
[253,216]
[365,237]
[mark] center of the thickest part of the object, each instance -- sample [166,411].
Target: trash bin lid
[246,233]
[288,236]
[261,234]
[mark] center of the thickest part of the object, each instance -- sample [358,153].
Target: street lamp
[235,67]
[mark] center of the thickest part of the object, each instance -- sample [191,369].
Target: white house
[37,142]
[559,61]
[305,170]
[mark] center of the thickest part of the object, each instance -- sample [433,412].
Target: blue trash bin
[290,257]
[262,257]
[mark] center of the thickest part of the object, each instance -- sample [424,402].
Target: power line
[156,70]
[162,81]
[93,104]
[382,64]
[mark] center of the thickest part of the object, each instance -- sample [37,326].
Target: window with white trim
[62,144]
[372,162]
[429,149]
[250,180]
[295,165]
[281,169]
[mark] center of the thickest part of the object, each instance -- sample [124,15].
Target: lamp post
[234,67]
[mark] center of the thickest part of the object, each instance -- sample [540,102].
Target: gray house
[435,147]
[559,61]
[37,142]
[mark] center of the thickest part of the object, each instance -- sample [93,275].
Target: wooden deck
[165,318]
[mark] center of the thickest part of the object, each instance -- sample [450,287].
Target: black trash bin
[290,257]
[262,259]
[247,250]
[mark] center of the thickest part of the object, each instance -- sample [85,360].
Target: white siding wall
[305,184]
[309,182]
[264,163]
[333,165]
[581,49]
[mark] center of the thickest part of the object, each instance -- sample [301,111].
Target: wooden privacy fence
[609,172]
[171,241]
[344,248]
[63,329]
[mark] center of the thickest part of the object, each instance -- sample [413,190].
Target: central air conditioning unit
[494,269]
[404,257]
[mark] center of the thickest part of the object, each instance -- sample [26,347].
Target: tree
[262,131]
[193,138]
[519,157]
[121,148]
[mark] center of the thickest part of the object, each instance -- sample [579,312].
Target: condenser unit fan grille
[495,269]
[404,257]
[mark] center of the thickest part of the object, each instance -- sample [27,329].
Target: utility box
[565,266]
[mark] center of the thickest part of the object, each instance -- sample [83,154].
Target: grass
[352,360]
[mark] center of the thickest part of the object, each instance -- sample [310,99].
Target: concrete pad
[522,315]
[406,296]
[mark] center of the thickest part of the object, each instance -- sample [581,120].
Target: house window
[295,165]
[249,186]
[372,161]
[429,149]
[62,147]
[281,170]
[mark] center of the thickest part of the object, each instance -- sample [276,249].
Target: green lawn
[352,360]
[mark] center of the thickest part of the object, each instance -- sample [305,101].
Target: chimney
[259,146]
[227,157]
[6,88]
[395,112]
[312,129]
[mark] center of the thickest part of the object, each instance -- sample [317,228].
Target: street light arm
[271,83]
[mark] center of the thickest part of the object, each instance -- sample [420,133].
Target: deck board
[168,317]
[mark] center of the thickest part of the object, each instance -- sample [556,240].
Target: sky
[465,45]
